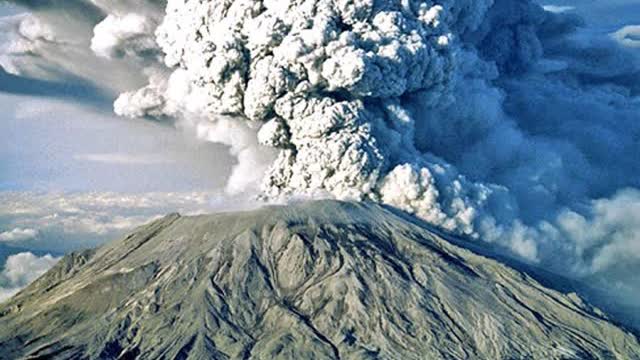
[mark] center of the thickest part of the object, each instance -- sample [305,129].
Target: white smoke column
[252,159]
[327,81]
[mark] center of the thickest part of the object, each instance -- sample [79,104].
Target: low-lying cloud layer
[496,120]
[20,270]
[58,222]
[18,234]
[55,223]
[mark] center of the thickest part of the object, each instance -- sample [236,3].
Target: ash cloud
[496,120]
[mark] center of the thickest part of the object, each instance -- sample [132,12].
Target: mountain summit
[316,280]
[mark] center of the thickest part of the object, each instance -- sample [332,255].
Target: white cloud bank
[20,270]
[18,234]
[66,221]
[628,36]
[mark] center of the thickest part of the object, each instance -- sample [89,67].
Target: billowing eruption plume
[327,80]
[494,119]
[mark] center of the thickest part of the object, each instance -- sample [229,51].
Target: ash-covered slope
[316,280]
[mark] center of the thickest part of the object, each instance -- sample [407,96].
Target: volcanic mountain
[315,280]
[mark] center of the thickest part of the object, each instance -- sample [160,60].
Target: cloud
[177,97]
[608,235]
[558,9]
[18,234]
[20,270]
[628,36]
[252,159]
[127,35]
[44,45]
[124,159]
[57,223]
[68,221]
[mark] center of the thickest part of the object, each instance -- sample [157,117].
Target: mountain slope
[320,280]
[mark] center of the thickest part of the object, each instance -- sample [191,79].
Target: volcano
[312,280]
